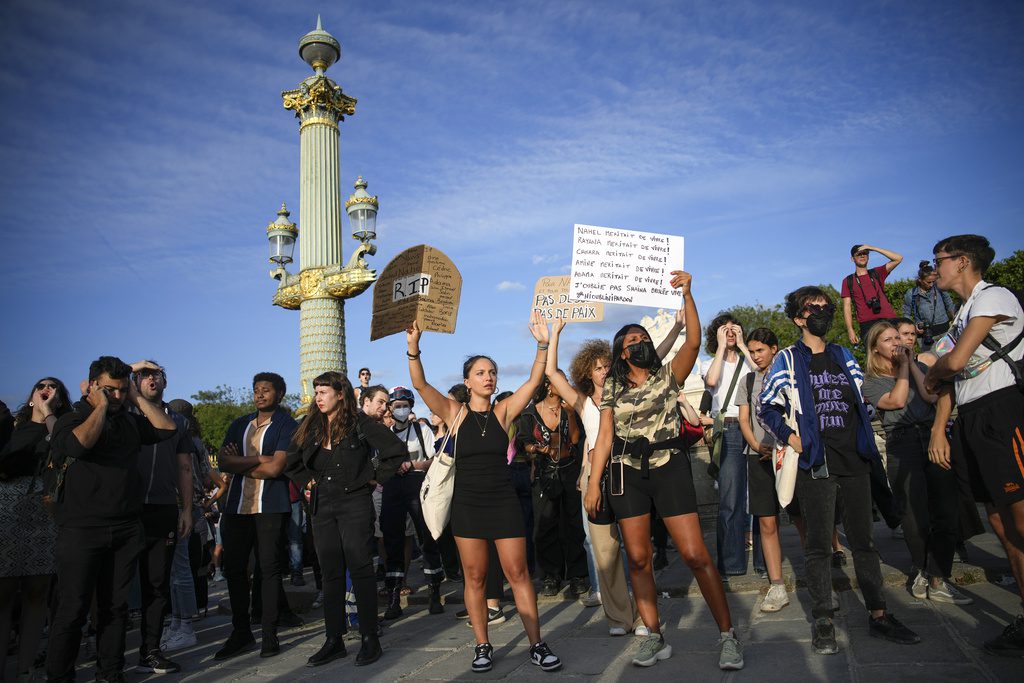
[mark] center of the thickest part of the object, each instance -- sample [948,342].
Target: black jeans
[817,506]
[401,497]
[100,561]
[240,535]
[160,526]
[524,490]
[342,527]
[559,530]
[927,495]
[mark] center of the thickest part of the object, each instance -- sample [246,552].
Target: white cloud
[510,286]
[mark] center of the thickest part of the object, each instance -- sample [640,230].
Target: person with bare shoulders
[640,434]
[484,503]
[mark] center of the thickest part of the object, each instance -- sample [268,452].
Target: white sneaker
[641,631]
[919,589]
[946,593]
[218,577]
[591,599]
[775,599]
[166,636]
[835,600]
[179,641]
[616,631]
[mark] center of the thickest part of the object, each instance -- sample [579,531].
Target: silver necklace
[476,418]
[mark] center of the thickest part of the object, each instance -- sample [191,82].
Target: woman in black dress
[331,455]
[484,504]
[29,538]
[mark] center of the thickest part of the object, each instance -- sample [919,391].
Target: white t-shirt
[722,388]
[988,376]
[591,417]
[412,441]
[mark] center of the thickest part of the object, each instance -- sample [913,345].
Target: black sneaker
[1009,643]
[482,658]
[889,628]
[824,638]
[838,559]
[235,644]
[551,587]
[156,663]
[462,614]
[494,617]
[542,656]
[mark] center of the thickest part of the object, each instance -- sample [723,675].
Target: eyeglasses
[939,259]
[46,385]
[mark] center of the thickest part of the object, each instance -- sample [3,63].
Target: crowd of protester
[573,481]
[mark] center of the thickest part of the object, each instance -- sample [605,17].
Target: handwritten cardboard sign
[625,266]
[551,300]
[421,284]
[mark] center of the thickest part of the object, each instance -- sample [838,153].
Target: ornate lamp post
[320,288]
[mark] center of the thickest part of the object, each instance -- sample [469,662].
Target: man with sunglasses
[822,383]
[166,470]
[364,383]
[866,289]
[98,504]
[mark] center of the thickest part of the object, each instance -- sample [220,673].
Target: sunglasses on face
[818,308]
[46,385]
[862,253]
[145,374]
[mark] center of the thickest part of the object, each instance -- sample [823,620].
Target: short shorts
[669,488]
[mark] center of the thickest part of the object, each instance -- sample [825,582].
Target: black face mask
[820,323]
[642,354]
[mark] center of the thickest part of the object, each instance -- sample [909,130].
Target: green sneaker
[651,650]
[731,657]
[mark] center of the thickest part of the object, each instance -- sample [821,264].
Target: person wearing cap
[866,289]
[401,499]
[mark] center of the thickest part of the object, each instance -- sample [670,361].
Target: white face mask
[401,414]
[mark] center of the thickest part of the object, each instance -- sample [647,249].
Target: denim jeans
[733,520]
[183,588]
[589,548]
[295,538]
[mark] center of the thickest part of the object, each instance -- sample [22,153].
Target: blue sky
[144,150]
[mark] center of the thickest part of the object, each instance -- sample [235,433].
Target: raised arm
[673,333]
[894,258]
[558,381]
[922,390]
[684,359]
[438,403]
[896,398]
[509,409]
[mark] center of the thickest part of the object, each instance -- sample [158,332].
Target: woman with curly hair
[29,539]
[588,370]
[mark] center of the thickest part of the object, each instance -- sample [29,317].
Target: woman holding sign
[640,436]
[484,505]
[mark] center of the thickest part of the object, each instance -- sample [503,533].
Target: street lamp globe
[362,212]
[282,233]
[319,49]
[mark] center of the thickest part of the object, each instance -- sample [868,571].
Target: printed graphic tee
[838,417]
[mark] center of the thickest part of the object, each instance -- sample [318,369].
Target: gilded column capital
[334,282]
[318,99]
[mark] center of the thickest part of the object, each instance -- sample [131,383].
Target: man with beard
[98,498]
[822,383]
[166,470]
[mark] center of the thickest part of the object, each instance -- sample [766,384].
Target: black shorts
[669,488]
[988,436]
[762,500]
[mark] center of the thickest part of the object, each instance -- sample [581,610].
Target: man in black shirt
[98,504]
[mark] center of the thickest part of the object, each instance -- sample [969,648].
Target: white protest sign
[625,267]
[551,300]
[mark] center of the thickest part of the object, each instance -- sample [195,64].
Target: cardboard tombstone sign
[551,300]
[421,284]
[625,267]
